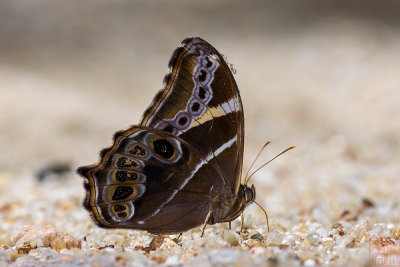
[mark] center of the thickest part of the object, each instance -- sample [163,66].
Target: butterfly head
[246,196]
[249,195]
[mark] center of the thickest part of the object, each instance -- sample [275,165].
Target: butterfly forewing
[201,105]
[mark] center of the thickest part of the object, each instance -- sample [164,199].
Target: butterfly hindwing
[144,178]
[201,104]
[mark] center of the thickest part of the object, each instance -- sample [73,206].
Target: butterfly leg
[155,243]
[241,226]
[230,226]
[176,239]
[205,223]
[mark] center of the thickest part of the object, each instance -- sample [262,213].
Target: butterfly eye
[163,148]
[249,194]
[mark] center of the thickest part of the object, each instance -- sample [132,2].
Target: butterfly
[181,166]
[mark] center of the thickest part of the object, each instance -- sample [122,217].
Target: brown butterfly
[181,166]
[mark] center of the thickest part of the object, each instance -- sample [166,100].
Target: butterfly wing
[201,104]
[149,180]
[185,158]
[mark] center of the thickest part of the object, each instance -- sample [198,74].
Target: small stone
[313,238]
[15,256]
[274,237]
[257,251]
[258,237]
[310,262]
[172,261]
[322,232]
[155,243]
[29,237]
[186,256]
[169,242]
[307,242]
[230,237]
[396,233]
[367,203]
[157,258]
[5,239]
[254,243]
[302,228]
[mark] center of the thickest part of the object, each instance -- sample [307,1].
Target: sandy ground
[320,75]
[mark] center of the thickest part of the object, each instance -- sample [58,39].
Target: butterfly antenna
[284,151]
[258,155]
[265,212]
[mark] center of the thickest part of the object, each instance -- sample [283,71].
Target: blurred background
[321,75]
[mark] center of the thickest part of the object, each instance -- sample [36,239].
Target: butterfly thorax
[228,207]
